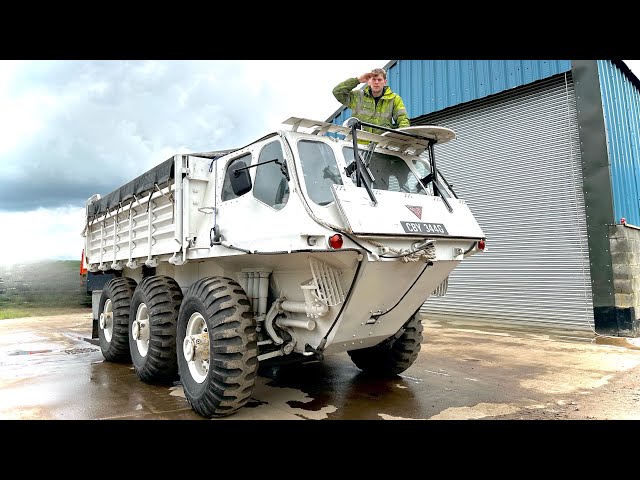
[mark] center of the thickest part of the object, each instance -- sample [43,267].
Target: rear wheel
[152,329]
[217,347]
[394,355]
[113,319]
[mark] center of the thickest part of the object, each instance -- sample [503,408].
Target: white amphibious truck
[307,242]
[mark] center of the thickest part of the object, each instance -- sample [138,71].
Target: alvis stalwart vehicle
[307,242]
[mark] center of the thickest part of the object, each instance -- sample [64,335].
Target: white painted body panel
[364,218]
[170,228]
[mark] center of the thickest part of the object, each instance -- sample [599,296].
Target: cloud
[634,66]
[70,129]
[52,234]
[75,128]
[99,124]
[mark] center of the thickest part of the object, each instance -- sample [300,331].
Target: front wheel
[217,347]
[394,355]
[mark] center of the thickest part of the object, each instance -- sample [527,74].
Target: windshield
[320,170]
[390,172]
[424,172]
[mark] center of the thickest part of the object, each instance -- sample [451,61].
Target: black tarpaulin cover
[160,174]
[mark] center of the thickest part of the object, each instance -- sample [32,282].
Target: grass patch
[20,312]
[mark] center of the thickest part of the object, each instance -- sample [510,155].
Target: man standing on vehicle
[375,104]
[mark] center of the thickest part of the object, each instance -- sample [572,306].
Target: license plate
[422,228]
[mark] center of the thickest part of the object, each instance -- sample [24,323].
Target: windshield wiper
[363,175]
[433,177]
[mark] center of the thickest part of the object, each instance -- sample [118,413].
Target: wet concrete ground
[48,370]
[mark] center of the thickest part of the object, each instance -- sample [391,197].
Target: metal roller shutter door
[516,162]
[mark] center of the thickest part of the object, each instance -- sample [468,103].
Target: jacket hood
[386,92]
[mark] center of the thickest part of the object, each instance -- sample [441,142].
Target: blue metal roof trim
[621,108]
[428,86]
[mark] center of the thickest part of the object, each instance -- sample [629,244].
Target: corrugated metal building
[547,156]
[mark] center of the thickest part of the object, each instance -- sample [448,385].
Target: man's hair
[380,71]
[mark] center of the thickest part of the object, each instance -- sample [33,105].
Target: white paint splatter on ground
[564,383]
[390,417]
[279,397]
[603,381]
[177,391]
[261,412]
[438,373]
[272,404]
[480,410]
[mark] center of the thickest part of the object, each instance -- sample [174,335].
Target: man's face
[377,83]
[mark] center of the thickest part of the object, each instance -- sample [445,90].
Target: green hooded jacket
[390,111]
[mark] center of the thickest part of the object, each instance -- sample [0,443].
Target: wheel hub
[135,330]
[196,347]
[189,349]
[140,329]
[105,321]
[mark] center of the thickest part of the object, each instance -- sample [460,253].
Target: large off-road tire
[113,319]
[217,347]
[394,355]
[152,329]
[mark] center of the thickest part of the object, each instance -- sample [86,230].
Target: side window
[320,170]
[271,186]
[227,191]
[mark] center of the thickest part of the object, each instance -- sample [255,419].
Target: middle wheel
[152,329]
